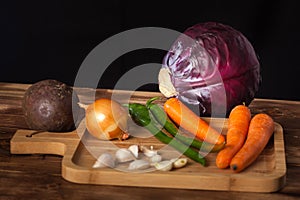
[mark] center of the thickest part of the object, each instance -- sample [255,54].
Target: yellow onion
[106,119]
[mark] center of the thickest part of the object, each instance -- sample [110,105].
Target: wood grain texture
[38,176]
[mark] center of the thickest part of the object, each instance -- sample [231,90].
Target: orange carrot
[260,130]
[238,124]
[188,120]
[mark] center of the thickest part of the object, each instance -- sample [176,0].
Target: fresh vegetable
[188,120]
[179,163]
[162,118]
[139,165]
[135,162]
[141,116]
[213,66]
[165,165]
[105,160]
[47,106]
[124,155]
[148,152]
[260,130]
[106,119]
[238,125]
[134,149]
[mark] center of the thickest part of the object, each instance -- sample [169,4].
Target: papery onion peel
[106,119]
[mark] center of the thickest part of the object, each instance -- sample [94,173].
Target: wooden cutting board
[80,151]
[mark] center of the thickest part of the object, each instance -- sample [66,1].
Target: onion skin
[106,119]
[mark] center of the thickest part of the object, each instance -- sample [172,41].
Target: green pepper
[141,116]
[162,118]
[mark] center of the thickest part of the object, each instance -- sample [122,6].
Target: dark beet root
[47,106]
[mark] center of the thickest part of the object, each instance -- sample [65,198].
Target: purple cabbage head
[213,66]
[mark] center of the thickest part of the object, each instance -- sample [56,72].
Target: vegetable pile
[245,139]
[162,118]
[213,66]
[239,119]
[141,116]
[138,158]
[260,130]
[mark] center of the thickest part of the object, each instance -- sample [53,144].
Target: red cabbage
[213,66]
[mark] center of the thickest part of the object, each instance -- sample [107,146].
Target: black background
[50,39]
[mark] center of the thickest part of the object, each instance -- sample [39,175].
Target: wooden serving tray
[80,150]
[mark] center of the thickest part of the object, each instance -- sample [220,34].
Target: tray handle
[34,142]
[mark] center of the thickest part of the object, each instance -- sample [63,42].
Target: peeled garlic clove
[155,159]
[148,152]
[105,160]
[179,163]
[139,165]
[165,165]
[134,149]
[124,155]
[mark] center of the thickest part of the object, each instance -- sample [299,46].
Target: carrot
[260,130]
[238,124]
[188,120]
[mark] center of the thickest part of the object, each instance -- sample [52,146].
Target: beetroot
[47,106]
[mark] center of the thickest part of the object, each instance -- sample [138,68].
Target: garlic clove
[134,149]
[165,165]
[155,159]
[180,162]
[105,160]
[139,165]
[148,152]
[124,155]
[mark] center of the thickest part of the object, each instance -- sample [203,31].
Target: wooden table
[39,176]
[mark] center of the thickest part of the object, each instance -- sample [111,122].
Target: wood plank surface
[39,176]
